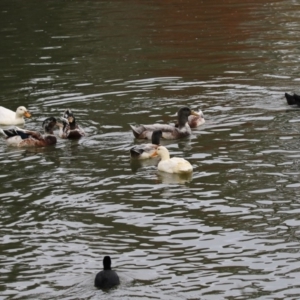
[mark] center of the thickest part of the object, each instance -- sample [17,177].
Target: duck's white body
[15,141]
[172,165]
[195,121]
[9,117]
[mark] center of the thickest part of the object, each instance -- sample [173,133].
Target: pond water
[231,231]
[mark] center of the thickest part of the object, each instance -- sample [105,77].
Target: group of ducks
[69,129]
[186,119]
[18,137]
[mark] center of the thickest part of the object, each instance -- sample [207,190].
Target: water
[228,232]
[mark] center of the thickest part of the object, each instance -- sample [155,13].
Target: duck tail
[135,153]
[290,99]
[136,131]
[8,133]
[3,133]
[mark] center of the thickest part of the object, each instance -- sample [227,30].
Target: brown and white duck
[18,137]
[70,129]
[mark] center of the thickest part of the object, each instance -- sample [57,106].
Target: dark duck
[107,278]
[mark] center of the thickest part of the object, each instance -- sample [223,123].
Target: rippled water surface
[231,230]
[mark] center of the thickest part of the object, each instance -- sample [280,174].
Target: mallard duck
[107,278]
[195,120]
[9,117]
[18,137]
[169,132]
[176,165]
[70,130]
[146,150]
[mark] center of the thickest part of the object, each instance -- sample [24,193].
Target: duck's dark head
[183,115]
[106,263]
[49,125]
[156,136]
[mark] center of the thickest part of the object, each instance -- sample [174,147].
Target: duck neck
[165,156]
[155,138]
[182,120]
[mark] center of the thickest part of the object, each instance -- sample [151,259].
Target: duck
[290,99]
[297,99]
[18,137]
[107,278]
[9,117]
[175,165]
[169,132]
[145,151]
[195,120]
[70,129]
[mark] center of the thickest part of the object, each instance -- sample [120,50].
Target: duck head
[106,263]
[156,136]
[183,115]
[23,112]
[49,125]
[70,117]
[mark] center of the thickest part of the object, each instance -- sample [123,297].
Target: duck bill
[27,114]
[153,154]
[70,119]
[194,113]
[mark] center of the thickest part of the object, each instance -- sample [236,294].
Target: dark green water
[231,232]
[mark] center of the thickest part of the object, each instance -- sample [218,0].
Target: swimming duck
[75,130]
[18,137]
[195,120]
[9,117]
[146,150]
[297,99]
[168,131]
[107,278]
[290,99]
[172,165]
[65,131]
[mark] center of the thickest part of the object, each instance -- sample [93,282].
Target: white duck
[172,165]
[9,117]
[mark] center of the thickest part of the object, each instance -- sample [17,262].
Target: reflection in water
[137,164]
[228,232]
[174,178]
